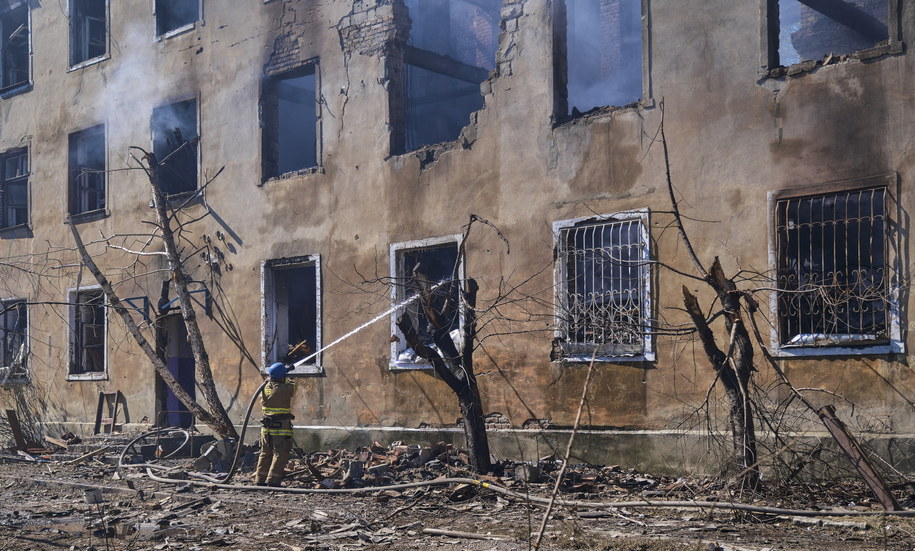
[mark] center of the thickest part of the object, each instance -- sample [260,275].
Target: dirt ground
[44,507]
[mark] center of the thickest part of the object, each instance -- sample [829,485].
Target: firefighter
[276,434]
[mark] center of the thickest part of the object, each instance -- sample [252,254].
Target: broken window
[14,49]
[87,334]
[292,302]
[428,267]
[14,188]
[87,170]
[291,111]
[88,30]
[174,130]
[813,29]
[603,281]
[13,342]
[600,60]
[832,256]
[449,52]
[173,15]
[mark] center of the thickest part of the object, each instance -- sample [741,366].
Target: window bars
[831,261]
[606,284]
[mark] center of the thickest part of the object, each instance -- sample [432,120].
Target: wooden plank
[16,428]
[851,448]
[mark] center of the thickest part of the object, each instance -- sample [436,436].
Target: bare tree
[167,229]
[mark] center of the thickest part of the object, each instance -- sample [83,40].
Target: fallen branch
[466,535]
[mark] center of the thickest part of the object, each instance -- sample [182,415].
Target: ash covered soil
[44,507]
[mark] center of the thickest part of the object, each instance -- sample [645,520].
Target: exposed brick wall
[372,27]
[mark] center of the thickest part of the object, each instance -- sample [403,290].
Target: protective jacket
[276,400]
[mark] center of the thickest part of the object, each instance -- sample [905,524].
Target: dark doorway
[176,351]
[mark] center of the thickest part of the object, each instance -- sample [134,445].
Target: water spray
[377,318]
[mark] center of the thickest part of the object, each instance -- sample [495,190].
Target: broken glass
[291,122]
[295,313]
[14,189]
[604,53]
[813,29]
[87,170]
[89,333]
[13,324]
[88,30]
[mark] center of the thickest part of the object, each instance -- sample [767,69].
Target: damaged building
[324,152]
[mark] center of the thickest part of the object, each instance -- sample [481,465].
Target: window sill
[88,62]
[410,366]
[601,111]
[882,349]
[584,359]
[15,90]
[93,376]
[16,232]
[308,371]
[179,31]
[88,216]
[294,174]
[811,65]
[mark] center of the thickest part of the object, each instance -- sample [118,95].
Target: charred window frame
[88,31]
[176,16]
[603,282]
[835,255]
[291,121]
[87,189]
[449,50]
[291,291]
[601,53]
[15,46]
[14,189]
[88,334]
[176,139]
[795,31]
[14,343]
[435,260]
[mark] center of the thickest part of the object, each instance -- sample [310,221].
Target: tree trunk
[222,424]
[457,372]
[734,371]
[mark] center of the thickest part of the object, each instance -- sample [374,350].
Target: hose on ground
[633,504]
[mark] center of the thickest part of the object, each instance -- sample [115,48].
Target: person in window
[276,433]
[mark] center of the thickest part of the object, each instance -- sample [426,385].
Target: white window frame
[93,60]
[270,81]
[268,314]
[397,295]
[72,296]
[28,188]
[180,30]
[560,278]
[896,343]
[6,377]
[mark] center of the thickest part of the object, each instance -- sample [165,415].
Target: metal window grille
[606,281]
[832,276]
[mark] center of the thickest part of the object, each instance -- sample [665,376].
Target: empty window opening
[291,121]
[423,268]
[603,283]
[292,316]
[174,129]
[832,269]
[449,52]
[14,188]
[87,336]
[14,48]
[813,29]
[603,54]
[13,343]
[173,15]
[87,170]
[88,30]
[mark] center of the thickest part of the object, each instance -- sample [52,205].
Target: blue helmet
[277,371]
